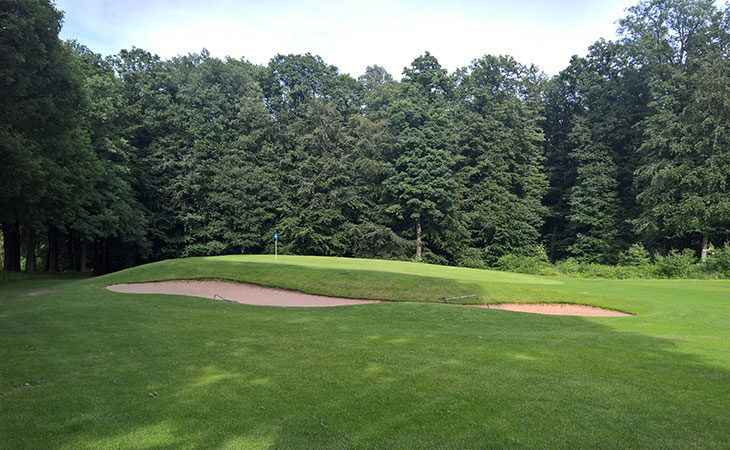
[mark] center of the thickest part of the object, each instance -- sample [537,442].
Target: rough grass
[77,364]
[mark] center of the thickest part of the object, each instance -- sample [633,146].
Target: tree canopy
[113,161]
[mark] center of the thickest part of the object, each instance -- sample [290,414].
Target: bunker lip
[558,309]
[249,294]
[252,294]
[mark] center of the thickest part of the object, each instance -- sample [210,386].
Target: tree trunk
[52,261]
[418,239]
[71,250]
[553,240]
[705,245]
[11,245]
[82,257]
[30,258]
[107,262]
[99,257]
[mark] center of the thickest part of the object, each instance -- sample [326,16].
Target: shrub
[570,266]
[370,240]
[718,260]
[625,272]
[636,255]
[430,257]
[634,263]
[471,257]
[210,248]
[676,264]
[532,260]
[594,270]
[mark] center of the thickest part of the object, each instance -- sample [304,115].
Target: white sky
[346,33]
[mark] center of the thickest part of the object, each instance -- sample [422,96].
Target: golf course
[83,367]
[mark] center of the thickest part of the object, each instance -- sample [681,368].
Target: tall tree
[369,146]
[681,46]
[311,103]
[218,186]
[379,92]
[563,102]
[593,107]
[151,125]
[45,154]
[593,199]
[685,175]
[499,115]
[422,185]
[111,213]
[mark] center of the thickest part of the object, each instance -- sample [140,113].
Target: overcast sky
[348,34]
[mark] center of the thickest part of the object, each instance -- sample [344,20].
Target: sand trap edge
[249,294]
[558,309]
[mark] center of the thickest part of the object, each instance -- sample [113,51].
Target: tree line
[113,161]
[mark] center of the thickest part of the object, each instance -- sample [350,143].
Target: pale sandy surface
[238,292]
[559,309]
[258,295]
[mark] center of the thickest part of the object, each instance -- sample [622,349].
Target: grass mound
[333,282]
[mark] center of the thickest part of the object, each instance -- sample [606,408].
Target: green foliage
[636,255]
[592,109]
[675,264]
[503,181]
[593,200]
[532,259]
[471,257]
[633,263]
[429,257]
[293,82]
[110,162]
[111,209]
[683,178]
[422,185]
[370,240]
[718,261]
[50,172]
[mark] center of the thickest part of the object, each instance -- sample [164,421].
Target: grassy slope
[384,375]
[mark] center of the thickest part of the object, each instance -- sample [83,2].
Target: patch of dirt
[236,292]
[39,292]
[558,309]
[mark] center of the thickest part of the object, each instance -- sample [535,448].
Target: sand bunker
[238,292]
[251,294]
[559,309]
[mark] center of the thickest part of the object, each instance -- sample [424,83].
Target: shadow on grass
[14,283]
[383,375]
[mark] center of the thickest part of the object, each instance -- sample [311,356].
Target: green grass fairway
[77,364]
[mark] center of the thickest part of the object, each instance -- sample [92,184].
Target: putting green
[403,267]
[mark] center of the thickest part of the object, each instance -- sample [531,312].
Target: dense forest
[107,162]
